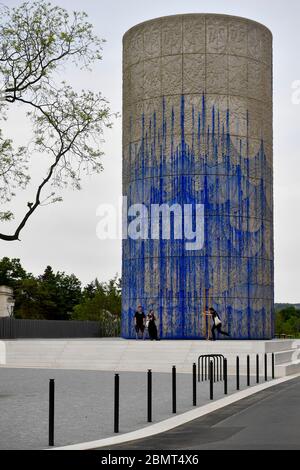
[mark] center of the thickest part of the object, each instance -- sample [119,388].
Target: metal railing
[204,367]
[284,336]
[14,328]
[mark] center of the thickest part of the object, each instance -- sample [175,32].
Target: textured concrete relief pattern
[197,128]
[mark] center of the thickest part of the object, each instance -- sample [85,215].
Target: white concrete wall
[122,355]
[2,353]
[5,294]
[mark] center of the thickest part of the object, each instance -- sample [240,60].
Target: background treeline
[287,319]
[59,296]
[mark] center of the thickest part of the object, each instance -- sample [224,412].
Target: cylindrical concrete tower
[197,129]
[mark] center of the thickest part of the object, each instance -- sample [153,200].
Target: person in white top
[217,324]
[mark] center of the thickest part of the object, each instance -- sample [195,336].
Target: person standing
[217,323]
[152,329]
[139,322]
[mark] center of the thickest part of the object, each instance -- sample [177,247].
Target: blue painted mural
[190,157]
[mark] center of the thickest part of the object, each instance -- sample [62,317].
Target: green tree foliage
[59,296]
[51,296]
[11,272]
[37,40]
[100,301]
[288,321]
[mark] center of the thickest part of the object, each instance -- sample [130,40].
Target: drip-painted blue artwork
[233,271]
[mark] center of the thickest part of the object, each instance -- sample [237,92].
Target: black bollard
[221,368]
[116,407]
[225,377]
[51,412]
[214,359]
[174,389]
[194,385]
[257,368]
[149,411]
[248,371]
[266,367]
[237,373]
[211,380]
[273,366]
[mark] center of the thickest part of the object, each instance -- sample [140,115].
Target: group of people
[142,322]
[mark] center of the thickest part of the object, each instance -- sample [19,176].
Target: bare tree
[36,40]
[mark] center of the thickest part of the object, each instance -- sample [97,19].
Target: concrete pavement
[84,404]
[267,420]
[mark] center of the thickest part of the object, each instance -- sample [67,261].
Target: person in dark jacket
[217,323]
[139,322]
[152,329]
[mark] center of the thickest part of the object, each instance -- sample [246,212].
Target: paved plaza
[84,404]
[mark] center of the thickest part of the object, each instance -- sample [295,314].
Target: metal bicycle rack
[218,367]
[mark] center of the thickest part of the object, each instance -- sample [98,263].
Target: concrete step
[289,368]
[279,345]
[283,357]
[117,354]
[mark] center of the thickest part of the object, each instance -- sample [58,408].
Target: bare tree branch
[36,40]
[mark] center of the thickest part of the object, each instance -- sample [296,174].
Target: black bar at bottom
[116,404]
[225,377]
[211,380]
[194,385]
[174,389]
[266,367]
[149,396]
[248,371]
[51,412]
[237,373]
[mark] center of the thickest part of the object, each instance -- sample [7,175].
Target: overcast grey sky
[64,235]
